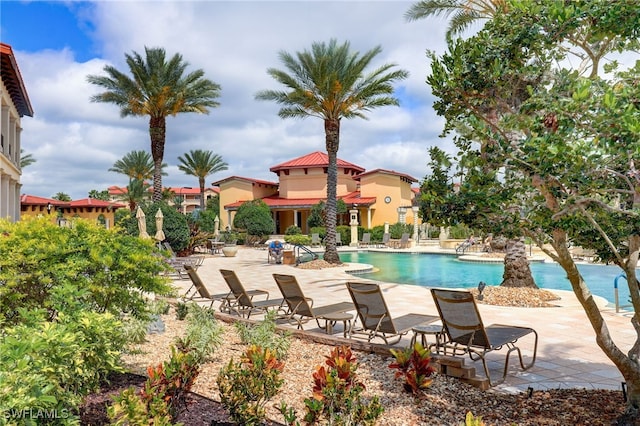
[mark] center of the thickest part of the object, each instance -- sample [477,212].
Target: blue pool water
[435,270]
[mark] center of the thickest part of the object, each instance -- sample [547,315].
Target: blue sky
[75,142]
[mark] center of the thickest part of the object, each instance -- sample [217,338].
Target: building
[15,105]
[188,197]
[379,196]
[101,211]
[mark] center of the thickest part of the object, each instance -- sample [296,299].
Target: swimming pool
[437,270]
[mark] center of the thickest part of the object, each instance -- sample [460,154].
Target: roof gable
[314,159]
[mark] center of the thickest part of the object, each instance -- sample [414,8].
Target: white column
[354,228]
[415,224]
[4,195]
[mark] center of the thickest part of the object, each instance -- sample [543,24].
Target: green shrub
[397,229]
[203,333]
[174,225]
[293,230]
[300,240]
[316,216]
[49,366]
[182,309]
[264,334]
[128,409]
[246,386]
[255,218]
[345,233]
[86,267]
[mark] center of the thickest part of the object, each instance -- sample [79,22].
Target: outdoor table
[216,246]
[423,330]
[334,317]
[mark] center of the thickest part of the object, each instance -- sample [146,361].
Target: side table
[332,318]
[424,330]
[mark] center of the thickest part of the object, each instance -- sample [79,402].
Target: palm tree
[201,164]
[465,12]
[136,165]
[329,83]
[26,159]
[137,191]
[158,89]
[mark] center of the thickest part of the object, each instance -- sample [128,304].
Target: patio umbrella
[216,226]
[159,232]
[142,223]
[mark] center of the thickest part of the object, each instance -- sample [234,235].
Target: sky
[75,141]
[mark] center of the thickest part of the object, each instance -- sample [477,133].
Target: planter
[229,251]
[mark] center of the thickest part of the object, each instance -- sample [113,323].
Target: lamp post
[415,209]
[354,226]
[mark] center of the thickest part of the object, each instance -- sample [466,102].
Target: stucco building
[378,195]
[15,105]
[61,212]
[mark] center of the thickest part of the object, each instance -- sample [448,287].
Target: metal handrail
[615,293]
[297,248]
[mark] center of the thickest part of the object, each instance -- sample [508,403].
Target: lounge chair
[366,240]
[178,263]
[199,292]
[375,317]
[385,240]
[404,241]
[244,305]
[301,308]
[466,334]
[315,240]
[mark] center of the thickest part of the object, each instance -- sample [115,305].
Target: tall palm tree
[159,88]
[201,164]
[329,82]
[26,159]
[463,12]
[136,165]
[137,191]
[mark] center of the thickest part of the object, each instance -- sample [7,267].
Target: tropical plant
[413,363]
[560,138]
[246,386]
[337,394]
[137,165]
[201,164]
[329,82]
[176,229]
[26,159]
[159,88]
[465,12]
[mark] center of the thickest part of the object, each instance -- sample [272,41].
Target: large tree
[201,164]
[159,88]
[568,140]
[329,82]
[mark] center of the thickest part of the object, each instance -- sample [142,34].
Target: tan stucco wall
[381,185]
[313,183]
[69,213]
[236,190]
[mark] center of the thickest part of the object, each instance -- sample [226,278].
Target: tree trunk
[516,265]
[332,136]
[201,182]
[157,132]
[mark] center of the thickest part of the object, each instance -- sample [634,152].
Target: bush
[299,240]
[264,334]
[320,230]
[413,364]
[247,386]
[397,229]
[293,230]
[175,226]
[86,267]
[345,233]
[47,367]
[255,218]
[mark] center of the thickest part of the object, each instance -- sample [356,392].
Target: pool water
[436,270]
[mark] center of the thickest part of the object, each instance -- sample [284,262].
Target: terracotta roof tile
[314,159]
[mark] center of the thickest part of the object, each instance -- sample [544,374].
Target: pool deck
[568,356]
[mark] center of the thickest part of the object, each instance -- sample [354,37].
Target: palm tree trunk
[157,132]
[516,265]
[332,135]
[201,182]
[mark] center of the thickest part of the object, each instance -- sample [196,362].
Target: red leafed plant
[414,365]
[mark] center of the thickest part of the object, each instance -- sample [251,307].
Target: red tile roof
[92,202]
[315,159]
[13,81]
[40,201]
[251,180]
[32,200]
[408,178]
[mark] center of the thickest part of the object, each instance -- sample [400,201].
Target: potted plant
[230,248]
